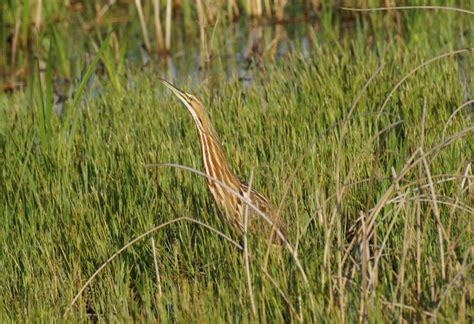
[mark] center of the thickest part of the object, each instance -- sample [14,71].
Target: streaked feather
[217,166]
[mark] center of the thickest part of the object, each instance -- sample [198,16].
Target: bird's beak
[183,97]
[178,92]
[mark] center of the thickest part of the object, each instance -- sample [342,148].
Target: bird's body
[217,167]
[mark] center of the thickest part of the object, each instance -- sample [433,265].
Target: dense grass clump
[377,193]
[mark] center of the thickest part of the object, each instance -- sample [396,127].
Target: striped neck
[215,162]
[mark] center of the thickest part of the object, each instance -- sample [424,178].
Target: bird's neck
[214,159]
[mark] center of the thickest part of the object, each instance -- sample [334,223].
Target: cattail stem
[158,30]
[146,39]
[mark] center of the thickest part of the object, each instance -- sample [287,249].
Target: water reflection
[222,53]
[237,53]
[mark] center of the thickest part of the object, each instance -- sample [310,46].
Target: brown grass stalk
[232,9]
[280,10]
[141,17]
[466,104]
[365,260]
[157,270]
[441,231]
[38,16]
[168,27]
[205,57]
[246,249]
[158,29]
[407,237]
[418,267]
[16,34]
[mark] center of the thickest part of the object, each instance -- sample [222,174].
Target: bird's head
[193,104]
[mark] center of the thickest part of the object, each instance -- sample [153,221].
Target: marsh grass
[374,179]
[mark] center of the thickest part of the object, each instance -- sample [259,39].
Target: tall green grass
[74,190]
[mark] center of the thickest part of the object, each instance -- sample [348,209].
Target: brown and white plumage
[217,166]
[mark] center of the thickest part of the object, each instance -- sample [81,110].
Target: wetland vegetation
[358,125]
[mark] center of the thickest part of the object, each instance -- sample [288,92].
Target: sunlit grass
[75,192]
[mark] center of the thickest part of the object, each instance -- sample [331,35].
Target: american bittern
[217,167]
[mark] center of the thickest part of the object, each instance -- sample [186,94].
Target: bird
[216,165]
